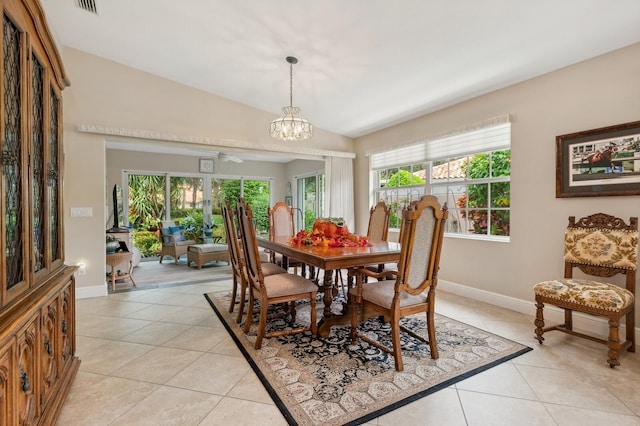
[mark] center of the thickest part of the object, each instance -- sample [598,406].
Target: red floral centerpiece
[329,232]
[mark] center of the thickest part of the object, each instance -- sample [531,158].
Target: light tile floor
[161,357]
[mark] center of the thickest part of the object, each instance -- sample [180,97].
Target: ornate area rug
[331,382]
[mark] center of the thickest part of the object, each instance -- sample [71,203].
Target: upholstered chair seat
[382,292]
[591,294]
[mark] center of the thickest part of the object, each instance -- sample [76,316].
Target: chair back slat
[379,222]
[422,233]
[249,244]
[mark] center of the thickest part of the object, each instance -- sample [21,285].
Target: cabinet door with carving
[27,409]
[7,386]
[51,354]
[67,323]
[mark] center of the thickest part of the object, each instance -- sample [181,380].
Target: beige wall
[600,92]
[108,94]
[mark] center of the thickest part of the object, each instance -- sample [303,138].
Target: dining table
[330,259]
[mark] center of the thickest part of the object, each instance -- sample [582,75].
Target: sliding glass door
[193,200]
[310,199]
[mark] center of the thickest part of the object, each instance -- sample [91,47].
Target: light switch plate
[81,212]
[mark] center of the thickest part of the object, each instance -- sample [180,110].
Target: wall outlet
[82,268]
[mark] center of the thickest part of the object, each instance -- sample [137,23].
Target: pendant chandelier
[291,127]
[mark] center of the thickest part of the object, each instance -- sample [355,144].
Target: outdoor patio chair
[173,241]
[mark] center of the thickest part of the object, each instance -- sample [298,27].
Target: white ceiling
[364,64]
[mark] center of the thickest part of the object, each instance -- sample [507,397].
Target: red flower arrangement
[331,232]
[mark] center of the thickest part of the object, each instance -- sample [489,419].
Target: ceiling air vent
[88,5]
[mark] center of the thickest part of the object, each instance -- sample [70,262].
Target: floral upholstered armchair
[600,246]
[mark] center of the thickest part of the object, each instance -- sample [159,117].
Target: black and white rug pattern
[330,381]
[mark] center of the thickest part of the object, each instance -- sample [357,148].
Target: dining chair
[378,229]
[414,288]
[272,289]
[281,224]
[237,262]
[600,246]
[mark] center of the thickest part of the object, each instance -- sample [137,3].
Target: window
[477,191]
[310,199]
[469,170]
[398,186]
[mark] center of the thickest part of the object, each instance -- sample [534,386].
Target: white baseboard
[587,324]
[93,291]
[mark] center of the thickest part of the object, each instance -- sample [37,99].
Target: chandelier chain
[291,85]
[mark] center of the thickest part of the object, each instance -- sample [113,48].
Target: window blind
[491,135]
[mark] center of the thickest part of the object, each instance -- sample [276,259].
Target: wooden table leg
[328,293]
[329,318]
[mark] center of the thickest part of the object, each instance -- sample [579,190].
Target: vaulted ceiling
[363,64]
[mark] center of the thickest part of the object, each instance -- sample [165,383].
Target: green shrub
[147,242]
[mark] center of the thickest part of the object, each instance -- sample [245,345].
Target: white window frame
[485,137]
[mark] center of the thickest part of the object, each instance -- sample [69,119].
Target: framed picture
[288,200]
[599,162]
[206,165]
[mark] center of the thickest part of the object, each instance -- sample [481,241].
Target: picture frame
[599,162]
[288,200]
[206,165]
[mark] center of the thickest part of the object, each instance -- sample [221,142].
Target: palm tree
[146,199]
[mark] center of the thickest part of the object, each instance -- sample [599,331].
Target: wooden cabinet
[37,293]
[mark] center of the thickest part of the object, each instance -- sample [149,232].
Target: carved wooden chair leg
[539,322]
[292,310]
[630,328]
[314,320]
[261,326]
[243,295]
[568,319]
[614,342]
[431,333]
[354,319]
[233,295]
[397,350]
[249,319]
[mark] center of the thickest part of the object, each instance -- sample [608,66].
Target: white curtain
[339,197]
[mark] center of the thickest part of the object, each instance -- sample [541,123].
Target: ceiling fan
[224,157]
